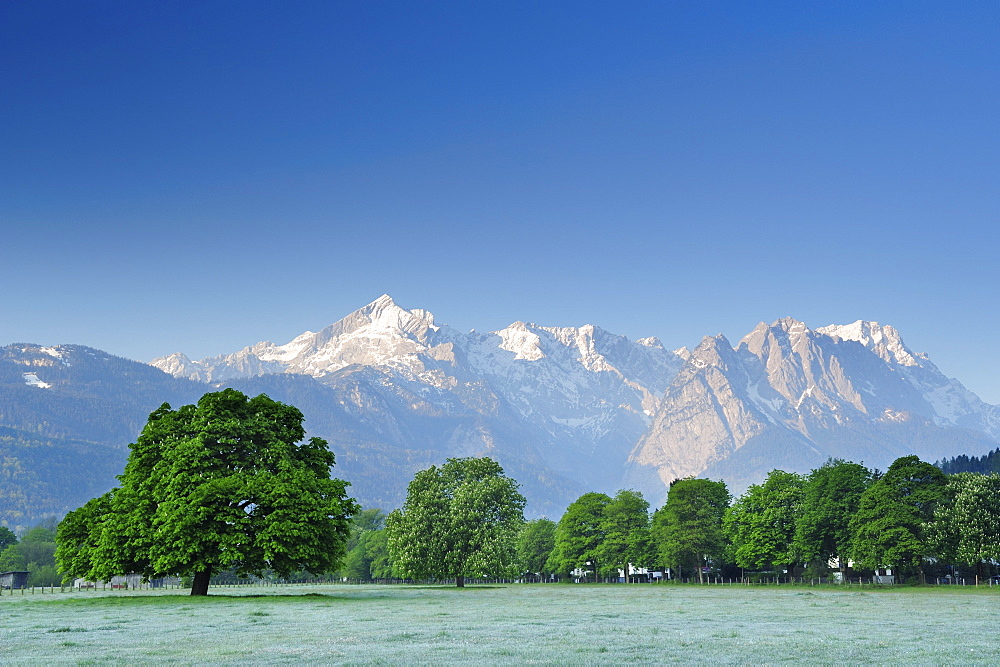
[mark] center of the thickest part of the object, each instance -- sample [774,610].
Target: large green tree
[224,484]
[459,520]
[760,525]
[831,496]
[535,543]
[888,528]
[625,525]
[966,524]
[580,534]
[687,530]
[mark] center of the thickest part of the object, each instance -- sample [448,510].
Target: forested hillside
[42,476]
[67,415]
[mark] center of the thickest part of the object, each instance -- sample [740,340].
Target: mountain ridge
[566,410]
[688,410]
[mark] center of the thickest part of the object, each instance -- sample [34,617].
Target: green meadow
[505,624]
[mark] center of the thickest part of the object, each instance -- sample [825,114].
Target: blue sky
[200,176]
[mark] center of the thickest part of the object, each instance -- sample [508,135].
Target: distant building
[9,580]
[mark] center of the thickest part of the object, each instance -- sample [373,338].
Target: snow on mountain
[32,380]
[578,393]
[949,402]
[380,333]
[599,411]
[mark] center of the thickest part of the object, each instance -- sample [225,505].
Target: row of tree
[839,513]
[908,517]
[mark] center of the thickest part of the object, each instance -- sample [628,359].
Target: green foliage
[7,537]
[44,575]
[760,525]
[535,543]
[580,533]
[367,551]
[369,558]
[687,530]
[221,484]
[63,445]
[888,528]
[625,526]
[11,559]
[377,548]
[966,524]
[831,496]
[35,553]
[459,520]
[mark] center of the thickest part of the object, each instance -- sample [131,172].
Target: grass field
[507,624]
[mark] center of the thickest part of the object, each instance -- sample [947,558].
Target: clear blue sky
[199,176]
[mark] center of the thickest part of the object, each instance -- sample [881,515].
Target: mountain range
[565,410]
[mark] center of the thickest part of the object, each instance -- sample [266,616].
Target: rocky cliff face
[790,397]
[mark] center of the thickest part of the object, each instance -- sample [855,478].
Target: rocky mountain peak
[711,351]
[881,339]
[382,315]
[790,325]
[650,341]
[177,364]
[521,340]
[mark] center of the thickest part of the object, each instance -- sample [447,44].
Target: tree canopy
[830,497]
[687,530]
[888,528]
[966,524]
[223,484]
[761,523]
[625,525]
[34,552]
[7,537]
[535,543]
[367,550]
[459,520]
[580,533]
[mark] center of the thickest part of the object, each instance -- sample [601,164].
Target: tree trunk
[460,580]
[701,573]
[200,584]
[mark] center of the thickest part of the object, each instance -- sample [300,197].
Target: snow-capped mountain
[379,334]
[567,399]
[790,397]
[581,408]
[565,410]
